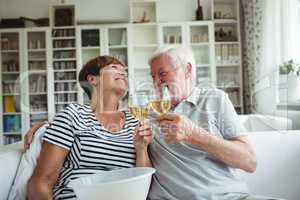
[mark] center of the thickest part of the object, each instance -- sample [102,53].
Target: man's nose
[157,82]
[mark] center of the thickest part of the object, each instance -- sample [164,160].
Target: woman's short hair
[93,67]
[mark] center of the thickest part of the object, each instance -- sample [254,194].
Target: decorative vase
[199,12]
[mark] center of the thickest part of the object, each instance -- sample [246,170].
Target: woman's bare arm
[46,172]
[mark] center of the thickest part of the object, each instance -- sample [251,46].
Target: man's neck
[181,98]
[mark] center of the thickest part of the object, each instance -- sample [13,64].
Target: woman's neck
[105,103]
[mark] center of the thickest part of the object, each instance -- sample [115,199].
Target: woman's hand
[142,136]
[30,134]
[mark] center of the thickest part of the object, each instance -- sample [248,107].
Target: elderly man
[203,143]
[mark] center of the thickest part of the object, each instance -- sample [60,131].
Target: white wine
[161,106]
[139,113]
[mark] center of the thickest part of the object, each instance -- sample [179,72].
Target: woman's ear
[92,80]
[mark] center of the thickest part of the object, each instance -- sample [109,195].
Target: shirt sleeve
[61,131]
[229,123]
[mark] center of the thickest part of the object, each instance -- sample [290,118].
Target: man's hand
[142,136]
[30,134]
[176,127]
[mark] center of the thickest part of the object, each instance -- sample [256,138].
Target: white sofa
[277,175]
[259,122]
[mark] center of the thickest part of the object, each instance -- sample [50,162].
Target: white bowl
[121,184]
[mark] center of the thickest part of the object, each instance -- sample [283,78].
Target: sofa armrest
[10,157]
[278,164]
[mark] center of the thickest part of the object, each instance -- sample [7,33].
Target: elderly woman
[86,139]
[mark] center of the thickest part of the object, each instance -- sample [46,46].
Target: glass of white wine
[161,102]
[138,105]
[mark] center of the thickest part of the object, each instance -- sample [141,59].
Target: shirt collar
[194,97]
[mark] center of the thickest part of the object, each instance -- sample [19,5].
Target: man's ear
[188,70]
[92,80]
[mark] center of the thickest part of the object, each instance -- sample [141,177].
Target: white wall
[87,9]
[169,10]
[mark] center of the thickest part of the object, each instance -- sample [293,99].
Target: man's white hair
[179,56]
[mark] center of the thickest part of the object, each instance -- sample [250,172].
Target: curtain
[262,25]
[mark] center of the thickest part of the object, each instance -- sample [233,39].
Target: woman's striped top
[92,148]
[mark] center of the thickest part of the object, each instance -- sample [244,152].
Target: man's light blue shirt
[185,172]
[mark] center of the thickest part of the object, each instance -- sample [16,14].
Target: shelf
[64,38]
[37,93]
[36,50]
[91,48]
[12,73]
[37,60]
[64,102]
[118,46]
[228,65]
[200,44]
[62,27]
[173,44]
[229,87]
[65,92]
[10,81]
[12,134]
[225,21]
[11,94]
[64,59]
[145,45]
[9,51]
[145,24]
[203,66]
[232,2]
[64,49]
[64,70]
[37,71]
[228,43]
[65,81]
[12,113]
[38,112]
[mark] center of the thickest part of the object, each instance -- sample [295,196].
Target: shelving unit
[93,41]
[47,60]
[172,33]
[37,58]
[143,11]
[228,50]
[63,19]
[144,40]
[200,38]
[11,125]
[89,43]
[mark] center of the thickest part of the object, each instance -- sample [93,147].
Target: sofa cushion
[278,164]
[26,167]
[10,156]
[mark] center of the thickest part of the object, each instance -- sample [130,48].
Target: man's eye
[163,73]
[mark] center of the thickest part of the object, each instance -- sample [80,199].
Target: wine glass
[161,102]
[138,105]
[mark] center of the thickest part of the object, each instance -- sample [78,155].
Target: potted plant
[290,77]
